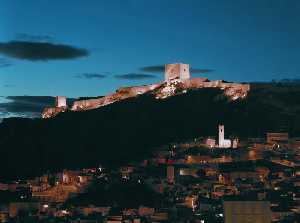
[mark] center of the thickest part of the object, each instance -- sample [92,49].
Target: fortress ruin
[177,79]
[177,71]
[60,101]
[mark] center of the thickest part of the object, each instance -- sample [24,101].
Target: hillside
[128,130]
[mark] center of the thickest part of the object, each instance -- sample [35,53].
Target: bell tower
[221,135]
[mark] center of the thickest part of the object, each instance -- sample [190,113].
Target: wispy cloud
[4,63]
[135,76]
[26,103]
[34,38]
[153,69]
[25,106]
[161,69]
[40,51]
[200,71]
[91,76]
[8,85]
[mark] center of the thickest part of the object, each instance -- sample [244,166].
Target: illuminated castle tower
[60,101]
[177,71]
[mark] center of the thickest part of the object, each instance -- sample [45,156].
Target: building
[177,71]
[28,207]
[235,143]
[171,174]
[223,143]
[277,137]
[146,211]
[211,142]
[70,177]
[60,101]
[240,211]
[190,201]
[4,213]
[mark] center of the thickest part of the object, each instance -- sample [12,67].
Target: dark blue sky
[109,42]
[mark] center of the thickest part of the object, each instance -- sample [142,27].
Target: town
[220,178]
[135,111]
[210,179]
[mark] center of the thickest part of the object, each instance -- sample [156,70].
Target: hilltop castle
[177,71]
[177,79]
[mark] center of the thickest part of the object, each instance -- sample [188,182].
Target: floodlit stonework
[120,94]
[60,101]
[52,111]
[177,71]
[177,80]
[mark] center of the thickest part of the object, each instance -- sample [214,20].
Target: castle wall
[177,76]
[53,111]
[120,94]
[232,90]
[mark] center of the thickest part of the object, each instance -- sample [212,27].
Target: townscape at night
[149,111]
[255,179]
[220,178]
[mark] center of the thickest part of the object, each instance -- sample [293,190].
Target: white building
[211,142]
[235,143]
[223,143]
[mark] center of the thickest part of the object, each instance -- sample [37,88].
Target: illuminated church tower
[223,143]
[221,135]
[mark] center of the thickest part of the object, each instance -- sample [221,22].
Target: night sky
[90,48]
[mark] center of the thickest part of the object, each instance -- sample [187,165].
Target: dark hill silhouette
[128,130]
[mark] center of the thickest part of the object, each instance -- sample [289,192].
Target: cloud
[4,114]
[161,69]
[153,69]
[4,63]
[26,103]
[40,51]
[8,85]
[135,76]
[34,38]
[200,71]
[91,76]
[25,106]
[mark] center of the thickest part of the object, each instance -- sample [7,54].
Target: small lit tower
[60,101]
[177,71]
[221,135]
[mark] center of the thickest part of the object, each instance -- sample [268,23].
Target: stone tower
[177,71]
[221,135]
[60,101]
